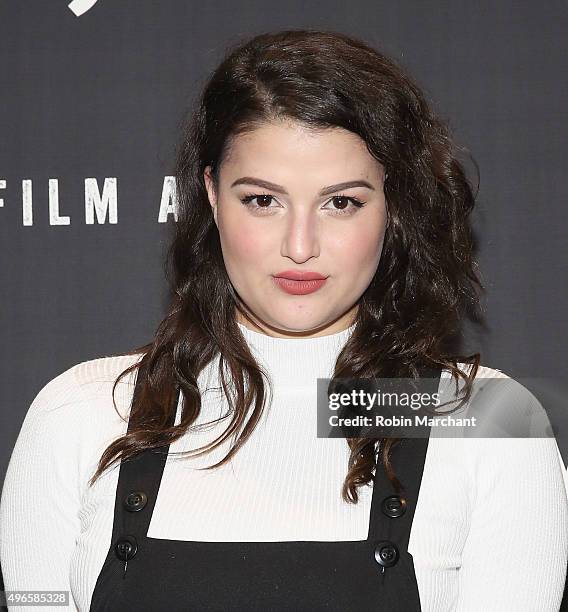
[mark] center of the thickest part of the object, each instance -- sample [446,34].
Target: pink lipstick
[295,282]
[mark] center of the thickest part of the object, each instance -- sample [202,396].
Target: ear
[209,186]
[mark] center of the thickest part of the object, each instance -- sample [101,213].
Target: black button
[386,553]
[126,547]
[135,501]
[393,506]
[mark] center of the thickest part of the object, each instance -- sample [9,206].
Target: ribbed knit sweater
[490,530]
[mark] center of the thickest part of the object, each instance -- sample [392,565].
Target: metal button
[386,553]
[393,506]
[126,547]
[135,501]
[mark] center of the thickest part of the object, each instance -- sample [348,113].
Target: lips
[301,286]
[300,275]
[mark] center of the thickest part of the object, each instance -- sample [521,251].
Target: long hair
[426,280]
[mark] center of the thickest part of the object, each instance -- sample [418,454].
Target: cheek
[244,247]
[240,239]
[359,247]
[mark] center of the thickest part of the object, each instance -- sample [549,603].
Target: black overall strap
[139,481]
[381,563]
[392,513]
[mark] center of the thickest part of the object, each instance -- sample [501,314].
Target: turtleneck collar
[296,362]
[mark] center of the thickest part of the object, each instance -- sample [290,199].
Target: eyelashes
[355,203]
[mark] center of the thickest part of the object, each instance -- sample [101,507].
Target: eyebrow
[251,180]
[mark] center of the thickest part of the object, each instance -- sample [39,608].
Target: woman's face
[299,218]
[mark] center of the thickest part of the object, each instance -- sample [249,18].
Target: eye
[341,200]
[263,197]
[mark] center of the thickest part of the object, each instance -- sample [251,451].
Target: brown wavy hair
[426,281]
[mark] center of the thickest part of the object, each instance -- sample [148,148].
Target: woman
[322,232]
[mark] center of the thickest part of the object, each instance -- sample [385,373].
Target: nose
[301,236]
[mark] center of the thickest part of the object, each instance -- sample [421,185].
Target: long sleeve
[517,548]
[41,495]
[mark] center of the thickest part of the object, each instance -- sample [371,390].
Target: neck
[297,361]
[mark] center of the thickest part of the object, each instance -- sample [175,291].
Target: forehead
[292,145]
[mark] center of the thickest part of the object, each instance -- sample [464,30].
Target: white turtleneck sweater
[490,530]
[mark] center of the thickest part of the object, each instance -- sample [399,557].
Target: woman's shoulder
[513,432]
[104,369]
[75,415]
[504,403]
[494,393]
[85,379]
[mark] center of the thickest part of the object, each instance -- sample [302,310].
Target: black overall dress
[156,575]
